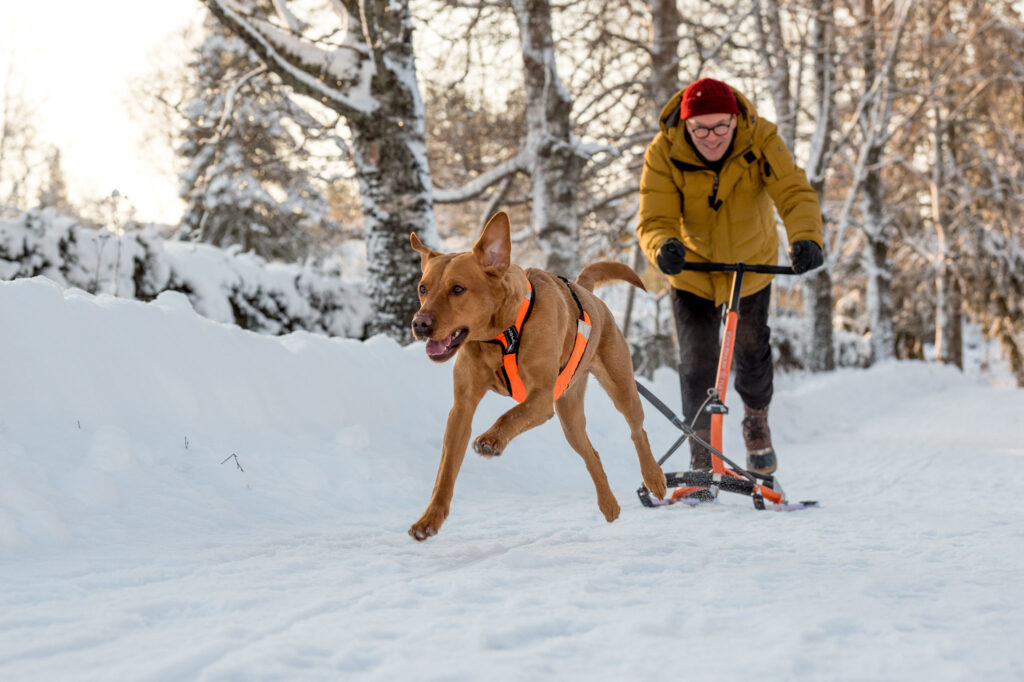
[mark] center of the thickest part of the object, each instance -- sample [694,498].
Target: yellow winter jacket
[725,217]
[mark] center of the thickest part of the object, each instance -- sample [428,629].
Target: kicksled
[703,485]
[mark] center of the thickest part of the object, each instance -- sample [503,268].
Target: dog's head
[459,292]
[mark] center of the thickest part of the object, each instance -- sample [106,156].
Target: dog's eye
[458,290]
[423,290]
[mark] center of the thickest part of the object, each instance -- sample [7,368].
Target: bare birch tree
[554,161]
[982,191]
[818,301]
[783,53]
[774,52]
[881,37]
[662,83]
[549,156]
[948,301]
[946,78]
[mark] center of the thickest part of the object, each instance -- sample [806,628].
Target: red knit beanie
[707,96]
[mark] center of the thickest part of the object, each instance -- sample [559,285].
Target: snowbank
[184,500]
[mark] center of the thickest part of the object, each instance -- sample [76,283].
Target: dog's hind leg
[615,374]
[569,409]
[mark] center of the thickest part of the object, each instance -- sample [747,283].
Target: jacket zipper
[713,201]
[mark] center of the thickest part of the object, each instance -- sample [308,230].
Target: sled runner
[694,487]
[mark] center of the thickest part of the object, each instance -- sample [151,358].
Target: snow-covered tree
[982,189]
[878,62]
[553,159]
[952,169]
[456,112]
[356,58]
[548,155]
[796,69]
[658,345]
[247,179]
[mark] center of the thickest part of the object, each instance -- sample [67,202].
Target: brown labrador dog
[523,333]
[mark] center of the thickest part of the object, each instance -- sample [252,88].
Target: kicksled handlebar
[739,267]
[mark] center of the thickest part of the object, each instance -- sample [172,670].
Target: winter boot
[758,437]
[700,456]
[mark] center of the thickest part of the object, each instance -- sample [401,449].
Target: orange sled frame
[725,475]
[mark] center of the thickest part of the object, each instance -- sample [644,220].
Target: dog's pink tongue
[435,348]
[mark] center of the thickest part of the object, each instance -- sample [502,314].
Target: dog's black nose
[422,324]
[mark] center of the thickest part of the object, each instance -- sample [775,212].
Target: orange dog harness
[509,340]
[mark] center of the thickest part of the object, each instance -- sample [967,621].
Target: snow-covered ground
[183,500]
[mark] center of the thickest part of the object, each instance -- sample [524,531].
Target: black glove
[804,255]
[672,257]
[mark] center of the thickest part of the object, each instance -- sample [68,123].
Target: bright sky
[76,61]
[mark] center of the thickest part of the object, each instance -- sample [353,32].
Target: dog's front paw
[428,525]
[487,446]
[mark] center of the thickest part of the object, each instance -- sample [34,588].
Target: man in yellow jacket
[712,180]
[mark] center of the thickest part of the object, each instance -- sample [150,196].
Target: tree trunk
[775,55]
[664,50]
[555,166]
[948,302]
[663,83]
[877,265]
[948,337]
[395,202]
[949,342]
[820,354]
[875,227]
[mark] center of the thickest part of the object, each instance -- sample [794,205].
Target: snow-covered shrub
[652,335]
[222,284]
[789,338]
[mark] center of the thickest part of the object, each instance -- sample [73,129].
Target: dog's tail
[604,271]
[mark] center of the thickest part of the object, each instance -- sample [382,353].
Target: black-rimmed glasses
[701,132]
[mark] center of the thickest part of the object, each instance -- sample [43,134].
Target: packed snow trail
[133,545]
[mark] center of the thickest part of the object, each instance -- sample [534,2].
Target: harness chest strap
[509,340]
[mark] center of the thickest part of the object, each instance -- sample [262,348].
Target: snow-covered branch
[338,78]
[473,189]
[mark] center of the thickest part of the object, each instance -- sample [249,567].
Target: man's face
[711,133]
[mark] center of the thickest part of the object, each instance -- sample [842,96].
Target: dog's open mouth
[442,349]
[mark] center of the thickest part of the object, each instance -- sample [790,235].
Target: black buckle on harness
[511,341]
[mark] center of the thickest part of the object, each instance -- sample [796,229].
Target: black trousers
[698,328]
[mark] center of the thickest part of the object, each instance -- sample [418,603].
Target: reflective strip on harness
[509,340]
[582,336]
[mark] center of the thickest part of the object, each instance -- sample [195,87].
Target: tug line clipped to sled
[703,486]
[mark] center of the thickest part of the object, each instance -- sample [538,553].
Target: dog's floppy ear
[494,248]
[426,253]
